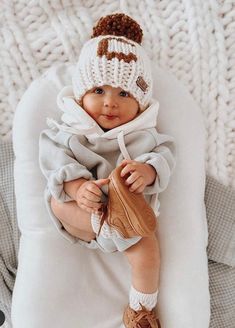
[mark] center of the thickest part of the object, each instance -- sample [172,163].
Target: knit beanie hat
[113,56]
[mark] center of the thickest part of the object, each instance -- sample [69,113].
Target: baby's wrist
[71,187]
[151,175]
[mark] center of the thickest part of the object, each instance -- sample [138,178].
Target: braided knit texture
[193,39]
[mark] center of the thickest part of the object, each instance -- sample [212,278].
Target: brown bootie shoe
[140,319]
[127,212]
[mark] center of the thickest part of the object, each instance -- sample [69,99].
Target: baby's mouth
[110,117]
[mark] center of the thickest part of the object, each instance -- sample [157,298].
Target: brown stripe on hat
[102,50]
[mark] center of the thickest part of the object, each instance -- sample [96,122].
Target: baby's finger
[91,204]
[101,182]
[132,178]
[91,196]
[125,162]
[129,168]
[94,189]
[137,184]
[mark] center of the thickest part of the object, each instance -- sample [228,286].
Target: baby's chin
[109,126]
[106,129]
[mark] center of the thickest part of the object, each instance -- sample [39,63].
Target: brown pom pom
[119,25]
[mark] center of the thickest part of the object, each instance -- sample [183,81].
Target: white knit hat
[116,61]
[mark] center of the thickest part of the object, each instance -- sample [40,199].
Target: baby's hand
[89,194]
[138,175]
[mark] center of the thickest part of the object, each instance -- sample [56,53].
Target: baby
[109,120]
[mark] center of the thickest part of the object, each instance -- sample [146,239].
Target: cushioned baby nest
[64,285]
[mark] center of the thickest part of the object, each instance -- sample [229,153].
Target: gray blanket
[220,205]
[9,233]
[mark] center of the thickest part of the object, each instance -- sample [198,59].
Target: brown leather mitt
[127,212]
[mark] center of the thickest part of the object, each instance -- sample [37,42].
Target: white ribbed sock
[95,222]
[137,299]
[106,231]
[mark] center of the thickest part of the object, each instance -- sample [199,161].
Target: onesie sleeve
[58,163]
[162,158]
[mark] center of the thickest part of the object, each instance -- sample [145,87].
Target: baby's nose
[110,101]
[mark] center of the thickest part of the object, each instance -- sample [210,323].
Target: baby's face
[110,107]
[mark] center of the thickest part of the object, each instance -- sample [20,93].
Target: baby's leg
[75,220]
[144,258]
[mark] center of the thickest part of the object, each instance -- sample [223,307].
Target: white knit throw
[194,39]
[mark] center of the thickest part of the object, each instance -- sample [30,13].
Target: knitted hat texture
[114,57]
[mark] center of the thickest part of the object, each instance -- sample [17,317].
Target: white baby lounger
[64,285]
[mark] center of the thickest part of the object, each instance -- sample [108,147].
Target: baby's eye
[98,91]
[124,94]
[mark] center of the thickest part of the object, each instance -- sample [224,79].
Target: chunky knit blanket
[194,39]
